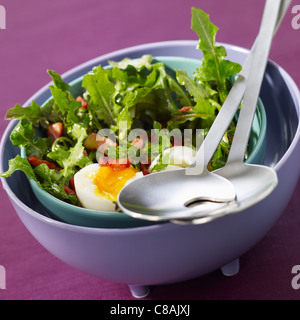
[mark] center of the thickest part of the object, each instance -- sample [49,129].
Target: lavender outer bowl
[169,253]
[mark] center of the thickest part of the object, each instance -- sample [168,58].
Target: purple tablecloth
[61,34]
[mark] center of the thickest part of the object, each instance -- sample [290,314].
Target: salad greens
[214,66]
[141,93]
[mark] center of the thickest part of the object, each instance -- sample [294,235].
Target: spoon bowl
[261,181]
[195,195]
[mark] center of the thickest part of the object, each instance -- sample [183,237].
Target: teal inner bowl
[68,213]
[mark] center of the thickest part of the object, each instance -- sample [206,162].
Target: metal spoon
[252,182]
[178,194]
[174,194]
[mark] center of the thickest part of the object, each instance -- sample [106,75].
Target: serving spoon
[252,182]
[193,192]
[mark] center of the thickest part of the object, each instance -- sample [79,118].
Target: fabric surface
[61,34]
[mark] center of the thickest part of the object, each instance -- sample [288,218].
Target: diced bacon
[185,109]
[103,161]
[35,161]
[154,138]
[69,190]
[120,164]
[163,124]
[116,164]
[145,160]
[138,142]
[144,169]
[104,145]
[84,103]
[72,184]
[55,131]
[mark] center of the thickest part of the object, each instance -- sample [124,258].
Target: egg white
[179,157]
[86,190]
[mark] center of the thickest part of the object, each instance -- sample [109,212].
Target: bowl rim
[162,44]
[79,211]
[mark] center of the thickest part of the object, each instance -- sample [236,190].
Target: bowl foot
[231,268]
[139,292]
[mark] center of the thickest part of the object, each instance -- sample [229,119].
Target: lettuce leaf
[57,81]
[19,163]
[23,135]
[102,92]
[74,158]
[53,182]
[199,92]
[214,66]
[32,113]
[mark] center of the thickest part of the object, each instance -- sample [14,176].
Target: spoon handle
[228,109]
[254,81]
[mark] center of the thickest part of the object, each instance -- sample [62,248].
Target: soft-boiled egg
[178,157]
[97,187]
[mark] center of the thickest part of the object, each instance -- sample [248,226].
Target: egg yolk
[110,181]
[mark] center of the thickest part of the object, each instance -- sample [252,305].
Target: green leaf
[51,113]
[159,167]
[138,64]
[74,157]
[198,91]
[166,101]
[39,148]
[214,66]
[53,182]
[58,191]
[57,81]
[102,92]
[23,135]
[47,175]
[180,119]
[219,160]
[141,96]
[73,114]
[68,107]
[19,163]
[157,125]
[61,98]
[124,117]
[32,113]
[181,95]
[61,156]
[78,133]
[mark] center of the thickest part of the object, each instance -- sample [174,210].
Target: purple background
[61,34]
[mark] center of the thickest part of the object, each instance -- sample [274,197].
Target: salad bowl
[168,253]
[72,214]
